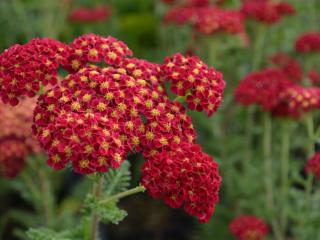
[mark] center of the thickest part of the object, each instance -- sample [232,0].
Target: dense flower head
[262,88]
[189,77]
[296,100]
[248,228]
[314,77]
[313,165]
[184,177]
[289,66]
[308,42]
[94,48]
[94,120]
[83,14]
[97,115]
[207,20]
[16,140]
[266,11]
[24,68]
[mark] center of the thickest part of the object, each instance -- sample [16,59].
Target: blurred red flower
[296,100]
[288,65]
[266,11]
[308,42]
[262,88]
[97,14]
[249,228]
[16,140]
[314,77]
[207,20]
[313,165]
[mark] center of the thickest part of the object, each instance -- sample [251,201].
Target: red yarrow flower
[308,42]
[184,176]
[207,20]
[288,65]
[248,228]
[93,48]
[94,120]
[313,165]
[189,77]
[25,68]
[266,11]
[90,15]
[262,88]
[297,100]
[16,140]
[314,77]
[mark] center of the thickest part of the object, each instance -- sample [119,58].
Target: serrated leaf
[111,213]
[49,234]
[117,180]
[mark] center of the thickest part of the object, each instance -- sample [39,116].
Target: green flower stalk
[285,156]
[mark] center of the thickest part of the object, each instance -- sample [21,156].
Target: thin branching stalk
[118,196]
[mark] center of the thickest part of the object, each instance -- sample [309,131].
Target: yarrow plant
[97,115]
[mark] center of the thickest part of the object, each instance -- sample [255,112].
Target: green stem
[47,196]
[97,191]
[248,136]
[267,128]
[311,134]
[129,192]
[180,99]
[258,47]
[256,62]
[313,15]
[309,188]
[285,156]
[267,138]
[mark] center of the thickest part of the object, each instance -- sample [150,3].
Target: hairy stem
[118,196]
[97,191]
[45,187]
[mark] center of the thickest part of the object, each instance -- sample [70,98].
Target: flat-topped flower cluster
[97,115]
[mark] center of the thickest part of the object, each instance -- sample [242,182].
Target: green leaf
[49,234]
[117,180]
[111,213]
[106,212]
